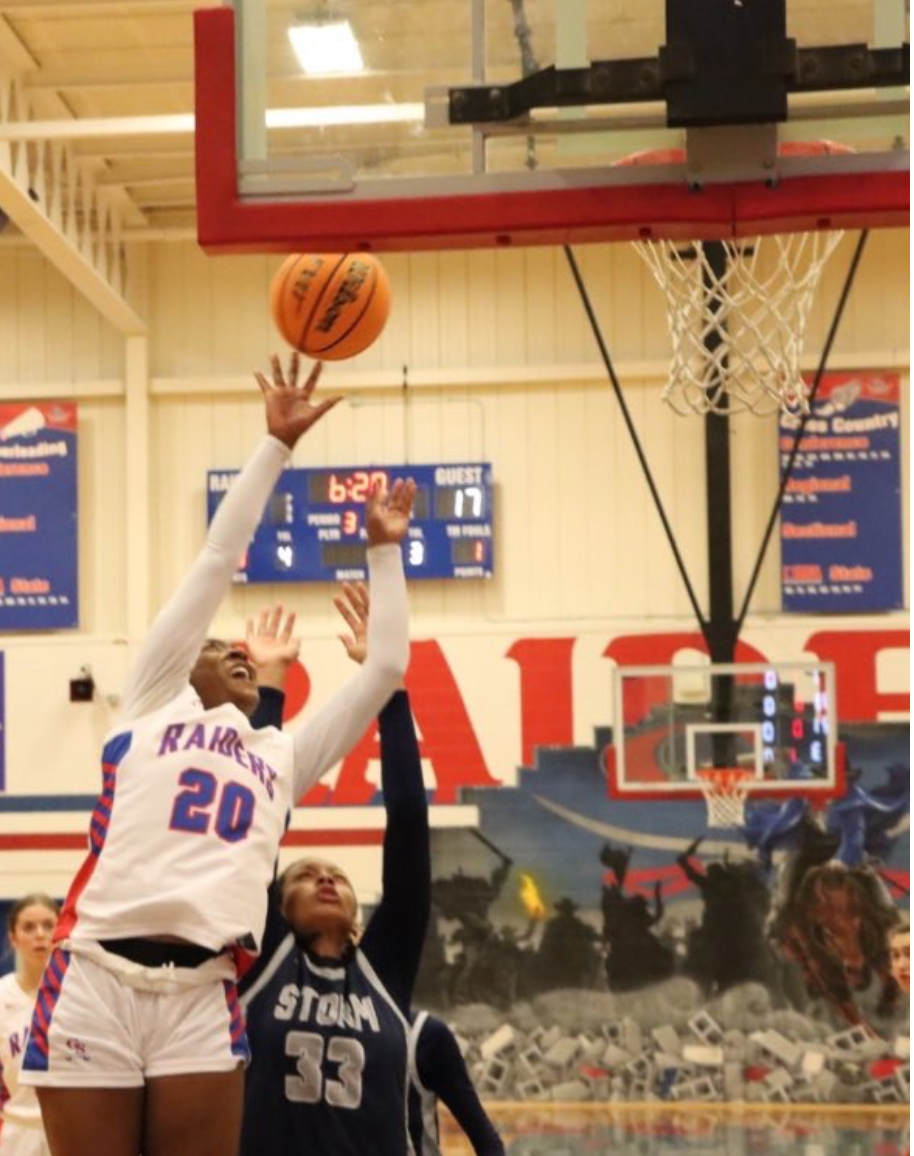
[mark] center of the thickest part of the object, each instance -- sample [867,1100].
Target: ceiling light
[325,48]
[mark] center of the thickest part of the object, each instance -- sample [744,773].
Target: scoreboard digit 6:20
[313,528]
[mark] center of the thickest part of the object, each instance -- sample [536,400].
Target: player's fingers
[265,386]
[409,492]
[358,609]
[293,368]
[313,377]
[289,626]
[401,494]
[349,616]
[376,496]
[321,408]
[277,370]
[275,621]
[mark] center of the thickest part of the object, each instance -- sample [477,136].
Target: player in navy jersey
[137,1042]
[437,1069]
[326,1005]
[438,1072]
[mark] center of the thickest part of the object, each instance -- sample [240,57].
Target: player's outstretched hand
[387,512]
[290,411]
[353,606]
[271,647]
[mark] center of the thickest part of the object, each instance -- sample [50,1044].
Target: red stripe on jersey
[69,915]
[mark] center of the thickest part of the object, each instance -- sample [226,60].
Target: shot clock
[313,528]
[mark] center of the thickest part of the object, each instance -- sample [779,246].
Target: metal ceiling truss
[52,195]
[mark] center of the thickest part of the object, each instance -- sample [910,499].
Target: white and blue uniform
[184,837]
[329,1038]
[21,1133]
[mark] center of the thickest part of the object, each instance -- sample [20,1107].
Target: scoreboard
[313,529]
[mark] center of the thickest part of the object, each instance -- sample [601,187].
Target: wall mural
[587,948]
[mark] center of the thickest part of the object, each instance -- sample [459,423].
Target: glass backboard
[377,156]
[775,722]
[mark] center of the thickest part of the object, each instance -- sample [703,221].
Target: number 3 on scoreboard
[193,806]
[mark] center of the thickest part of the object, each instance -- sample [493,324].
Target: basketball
[330,305]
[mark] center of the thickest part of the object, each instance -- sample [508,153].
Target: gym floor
[692,1130]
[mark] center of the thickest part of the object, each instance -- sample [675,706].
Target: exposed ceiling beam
[77,265]
[51,196]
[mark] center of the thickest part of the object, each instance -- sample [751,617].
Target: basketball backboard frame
[677,740]
[250,203]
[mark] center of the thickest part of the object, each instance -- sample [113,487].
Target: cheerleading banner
[38,519]
[2,727]
[841,520]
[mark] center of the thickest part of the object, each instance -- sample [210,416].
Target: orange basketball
[330,305]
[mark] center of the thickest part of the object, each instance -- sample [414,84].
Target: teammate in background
[30,926]
[137,1042]
[327,1006]
[437,1072]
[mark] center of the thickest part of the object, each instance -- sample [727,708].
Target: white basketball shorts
[18,1139]
[91,1029]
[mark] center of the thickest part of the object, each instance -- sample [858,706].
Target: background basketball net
[738,331]
[725,790]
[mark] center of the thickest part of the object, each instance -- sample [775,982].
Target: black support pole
[719,629]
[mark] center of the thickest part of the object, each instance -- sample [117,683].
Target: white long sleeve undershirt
[162,669]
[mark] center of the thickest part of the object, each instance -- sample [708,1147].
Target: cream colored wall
[501,366]
[578,536]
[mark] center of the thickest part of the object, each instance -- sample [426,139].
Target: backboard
[436,143]
[774,721]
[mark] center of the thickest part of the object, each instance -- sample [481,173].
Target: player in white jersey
[137,1041]
[30,925]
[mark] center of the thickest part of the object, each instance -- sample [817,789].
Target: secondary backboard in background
[776,721]
[287,162]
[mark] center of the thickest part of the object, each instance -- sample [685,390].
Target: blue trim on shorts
[36,1056]
[239,1037]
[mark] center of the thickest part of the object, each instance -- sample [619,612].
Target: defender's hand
[271,647]
[353,606]
[387,513]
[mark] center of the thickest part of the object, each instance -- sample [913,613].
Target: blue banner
[2,726]
[38,520]
[841,524]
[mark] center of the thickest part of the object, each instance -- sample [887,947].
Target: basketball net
[725,790]
[738,334]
